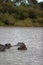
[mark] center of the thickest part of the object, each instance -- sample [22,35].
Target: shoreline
[24,26]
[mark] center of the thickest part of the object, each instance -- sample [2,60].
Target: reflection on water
[32,37]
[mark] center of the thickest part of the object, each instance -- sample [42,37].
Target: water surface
[32,37]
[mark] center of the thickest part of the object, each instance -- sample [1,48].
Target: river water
[32,37]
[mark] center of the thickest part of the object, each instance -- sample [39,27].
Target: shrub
[40,20]
[32,14]
[41,5]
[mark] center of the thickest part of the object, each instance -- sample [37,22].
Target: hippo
[22,46]
[2,48]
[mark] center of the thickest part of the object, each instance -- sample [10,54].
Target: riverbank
[22,24]
[22,16]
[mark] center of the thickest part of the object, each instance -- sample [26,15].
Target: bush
[41,5]
[40,20]
[32,14]
[21,16]
[40,14]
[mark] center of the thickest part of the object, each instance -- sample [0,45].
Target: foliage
[33,1]
[41,5]
[1,1]
[11,15]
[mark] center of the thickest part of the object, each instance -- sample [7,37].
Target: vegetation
[33,1]
[24,15]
